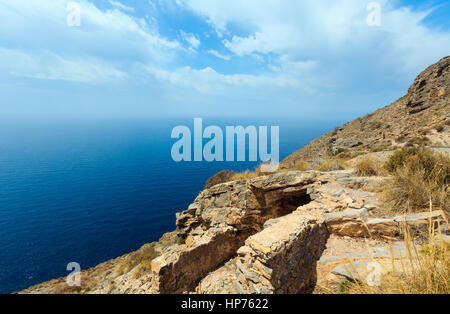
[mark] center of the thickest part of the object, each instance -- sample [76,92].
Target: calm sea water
[90,190]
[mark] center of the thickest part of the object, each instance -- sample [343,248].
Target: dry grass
[417,176]
[65,289]
[369,166]
[423,271]
[139,261]
[332,164]
[301,165]
[246,175]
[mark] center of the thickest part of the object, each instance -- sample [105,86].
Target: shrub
[418,176]
[368,166]
[181,236]
[401,139]
[440,128]
[181,240]
[399,158]
[418,140]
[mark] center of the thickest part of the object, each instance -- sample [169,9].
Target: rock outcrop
[220,177]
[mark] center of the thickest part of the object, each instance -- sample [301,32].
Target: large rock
[180,268]
[356,223]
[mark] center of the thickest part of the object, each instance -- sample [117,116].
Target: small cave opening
[291,202]
[282,203]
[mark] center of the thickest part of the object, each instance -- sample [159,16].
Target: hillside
[421,116]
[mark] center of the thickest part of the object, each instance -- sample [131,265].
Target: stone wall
[281,259]
[180,269]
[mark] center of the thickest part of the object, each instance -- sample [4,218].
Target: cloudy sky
[214,57]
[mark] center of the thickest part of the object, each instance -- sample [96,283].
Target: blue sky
[214,57]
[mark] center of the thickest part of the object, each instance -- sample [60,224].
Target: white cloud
[209,81]
[191,39]
[48,66]
[219,55]
[311,29]
[121,6]
[45,47]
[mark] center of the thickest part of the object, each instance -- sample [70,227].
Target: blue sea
[89,190]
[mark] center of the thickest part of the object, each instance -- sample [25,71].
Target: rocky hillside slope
[421,116]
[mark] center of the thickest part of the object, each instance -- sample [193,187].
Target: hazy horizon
[220,58]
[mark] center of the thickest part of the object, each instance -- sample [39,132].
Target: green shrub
[399,158]
[181,236]
[181,240]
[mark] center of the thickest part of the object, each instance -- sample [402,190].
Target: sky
[283,58]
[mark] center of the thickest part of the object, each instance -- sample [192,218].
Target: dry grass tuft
[139,261]
[423,271]
[332,164]
[369,166]
[246,175]
[418,175]
[301,165]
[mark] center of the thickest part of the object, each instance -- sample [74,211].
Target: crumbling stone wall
[180,269]
[283,258]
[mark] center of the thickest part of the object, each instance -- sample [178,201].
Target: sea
[87,190]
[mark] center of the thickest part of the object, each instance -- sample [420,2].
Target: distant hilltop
[417,118]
